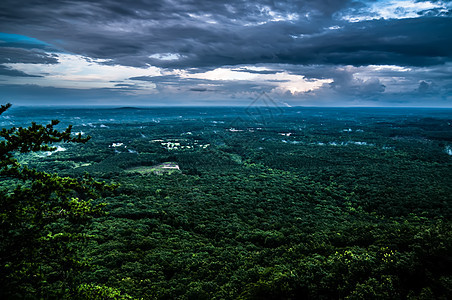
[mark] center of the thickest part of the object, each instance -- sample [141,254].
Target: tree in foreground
[41,217]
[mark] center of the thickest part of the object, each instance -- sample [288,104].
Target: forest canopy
[214,203]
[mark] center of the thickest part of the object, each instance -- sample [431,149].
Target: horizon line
[107,106]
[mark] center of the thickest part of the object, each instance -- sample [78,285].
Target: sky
[221,53]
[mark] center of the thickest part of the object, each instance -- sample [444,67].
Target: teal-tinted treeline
[295,205]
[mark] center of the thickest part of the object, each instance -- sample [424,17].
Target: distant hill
[127,107]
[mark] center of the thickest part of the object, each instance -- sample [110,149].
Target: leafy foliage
[41,216]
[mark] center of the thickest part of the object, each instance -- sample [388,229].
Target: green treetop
[41,216]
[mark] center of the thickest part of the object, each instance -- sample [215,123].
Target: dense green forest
[293,203]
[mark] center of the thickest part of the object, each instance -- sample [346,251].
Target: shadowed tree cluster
[42,216]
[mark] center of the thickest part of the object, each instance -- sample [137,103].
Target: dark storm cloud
[198,89]
[62,12]
[124,85]
[5,71]
[217,33]
[28,56]
[427,88]
[257,71]
[277,80]
[345,81]
[174,79]
[415,42]
[216,87]
[364,88]
[89,27]
[164,78]
[30,94]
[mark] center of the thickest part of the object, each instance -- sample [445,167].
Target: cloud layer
[307,52]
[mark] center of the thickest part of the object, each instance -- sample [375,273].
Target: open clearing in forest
[160,169]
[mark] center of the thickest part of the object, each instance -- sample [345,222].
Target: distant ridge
[127,107]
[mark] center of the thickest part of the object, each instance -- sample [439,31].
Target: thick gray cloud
[247,70]
[215,33]
[198,89]
[427,88]
[200,85]
[33,94]
[163,78]
[29,56]
[345,83]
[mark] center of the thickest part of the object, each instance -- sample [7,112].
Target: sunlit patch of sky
[280,81]
[76,71]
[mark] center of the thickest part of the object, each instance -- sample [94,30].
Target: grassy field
[160,169]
